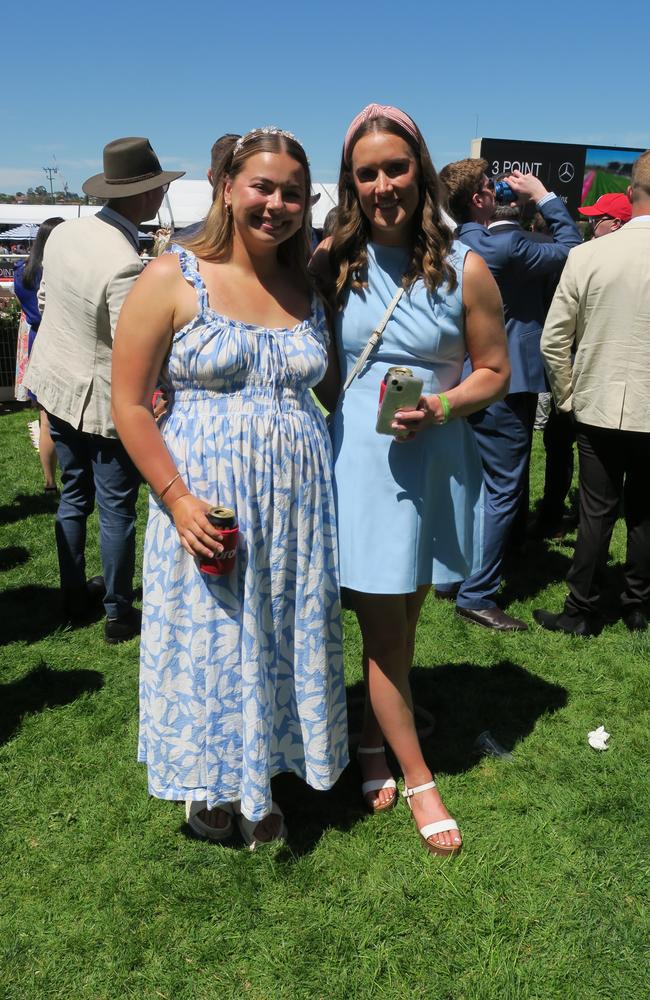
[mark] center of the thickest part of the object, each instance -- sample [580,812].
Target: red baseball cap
[616,205]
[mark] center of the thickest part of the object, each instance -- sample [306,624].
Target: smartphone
[399,390]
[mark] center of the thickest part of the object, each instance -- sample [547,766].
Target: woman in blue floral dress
[241,675]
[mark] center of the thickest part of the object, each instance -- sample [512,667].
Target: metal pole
[50,171]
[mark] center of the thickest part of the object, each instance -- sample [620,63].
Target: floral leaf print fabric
[242,675]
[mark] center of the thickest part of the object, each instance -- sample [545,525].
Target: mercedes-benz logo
[566,172]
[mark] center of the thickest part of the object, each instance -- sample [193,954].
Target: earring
[228,208]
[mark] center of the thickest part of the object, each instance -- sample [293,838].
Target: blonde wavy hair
[214,239]
[432,242]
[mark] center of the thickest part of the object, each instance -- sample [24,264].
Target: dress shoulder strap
[189,269]
[373,340]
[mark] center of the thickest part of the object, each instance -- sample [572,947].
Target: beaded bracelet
[446,408]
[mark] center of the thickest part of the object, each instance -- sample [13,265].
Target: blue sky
[76,75]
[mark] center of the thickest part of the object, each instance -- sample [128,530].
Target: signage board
[577,174]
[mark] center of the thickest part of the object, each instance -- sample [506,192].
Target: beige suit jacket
[602,304]
[89,267]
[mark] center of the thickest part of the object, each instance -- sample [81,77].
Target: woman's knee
[385,641]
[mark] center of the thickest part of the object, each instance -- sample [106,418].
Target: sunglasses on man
[596,220]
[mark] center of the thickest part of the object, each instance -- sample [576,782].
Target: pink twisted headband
[378,111]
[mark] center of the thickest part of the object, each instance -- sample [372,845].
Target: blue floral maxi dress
[241,676]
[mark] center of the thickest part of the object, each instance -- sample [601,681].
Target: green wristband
[446,408]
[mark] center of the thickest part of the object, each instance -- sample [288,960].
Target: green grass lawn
[105,896]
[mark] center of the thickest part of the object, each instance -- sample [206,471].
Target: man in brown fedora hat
[87,272]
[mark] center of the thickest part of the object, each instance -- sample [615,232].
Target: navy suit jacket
[522,267]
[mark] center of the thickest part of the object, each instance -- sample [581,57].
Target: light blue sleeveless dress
[409,513]
[241,676]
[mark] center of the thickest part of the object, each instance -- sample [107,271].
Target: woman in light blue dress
[241,675]
[409,511]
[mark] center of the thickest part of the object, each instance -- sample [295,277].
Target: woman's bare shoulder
[161,276]
[164,267]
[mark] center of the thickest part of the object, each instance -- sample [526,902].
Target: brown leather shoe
[492,618]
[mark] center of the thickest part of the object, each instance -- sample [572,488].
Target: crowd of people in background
[198,374]
[13,248]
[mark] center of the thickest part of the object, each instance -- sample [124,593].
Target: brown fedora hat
[130,167]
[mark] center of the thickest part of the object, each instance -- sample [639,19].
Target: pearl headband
[378,111]
[267,130]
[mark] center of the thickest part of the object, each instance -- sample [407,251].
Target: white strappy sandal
[431,829]
[247,828]
[377,784]
[203,829]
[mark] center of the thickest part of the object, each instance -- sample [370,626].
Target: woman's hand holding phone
[429,413]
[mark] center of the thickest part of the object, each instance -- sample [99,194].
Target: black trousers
[559,436]
[614,466]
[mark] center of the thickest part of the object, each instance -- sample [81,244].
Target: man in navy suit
[522,268]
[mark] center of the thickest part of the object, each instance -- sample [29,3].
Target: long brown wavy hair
[348,251]
[214,239]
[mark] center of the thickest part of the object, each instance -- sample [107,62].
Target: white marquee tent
[189,201]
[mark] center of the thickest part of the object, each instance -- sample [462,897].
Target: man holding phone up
[503,430]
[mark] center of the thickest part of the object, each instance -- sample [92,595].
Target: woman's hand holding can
[225,519]
[197,535]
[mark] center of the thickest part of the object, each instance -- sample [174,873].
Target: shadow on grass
[27,505]
[12,406]
[12,556]
[465,700]
[42,688]
[526,576]
[31,613]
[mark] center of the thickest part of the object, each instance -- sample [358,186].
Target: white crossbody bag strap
[373,340]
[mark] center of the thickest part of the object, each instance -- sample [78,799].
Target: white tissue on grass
[598,738]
